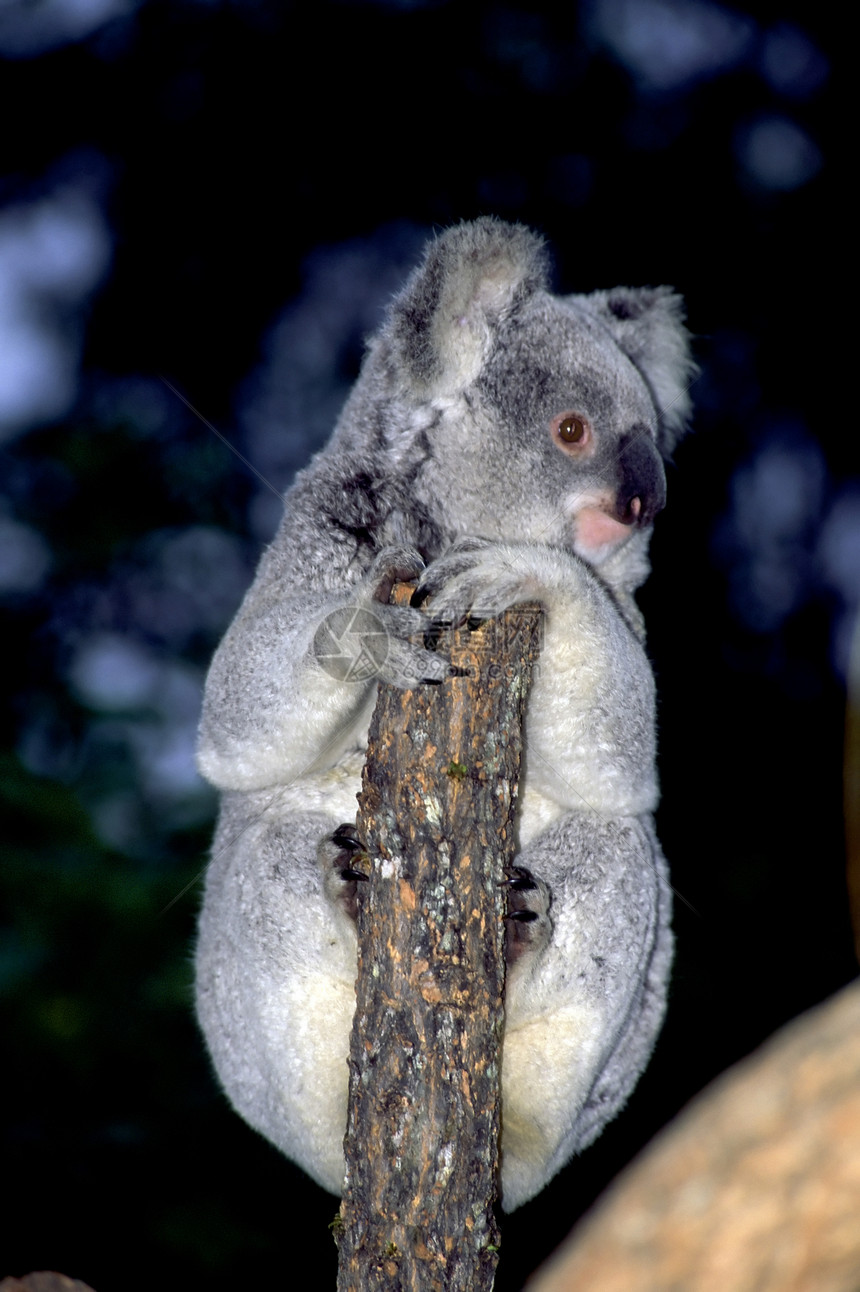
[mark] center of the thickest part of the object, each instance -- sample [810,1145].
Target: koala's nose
[641,491]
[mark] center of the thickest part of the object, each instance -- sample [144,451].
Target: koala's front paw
[478,580]
[368,639]
[341,855]
[400,649]
[393,564]
[527,925]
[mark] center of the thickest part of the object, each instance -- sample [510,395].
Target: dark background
[222,197]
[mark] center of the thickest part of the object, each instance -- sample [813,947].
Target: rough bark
[755,1187]
[436,818]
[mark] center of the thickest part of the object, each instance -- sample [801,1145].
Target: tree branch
[436,815]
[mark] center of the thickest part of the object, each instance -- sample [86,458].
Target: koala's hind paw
[527,923]
[342,857]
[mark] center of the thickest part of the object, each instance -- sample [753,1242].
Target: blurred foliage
[264,175]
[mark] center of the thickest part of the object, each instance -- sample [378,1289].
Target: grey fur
[446,461]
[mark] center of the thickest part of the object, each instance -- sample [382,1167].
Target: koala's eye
[571,430]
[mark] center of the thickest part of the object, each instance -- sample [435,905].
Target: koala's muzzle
[641,488]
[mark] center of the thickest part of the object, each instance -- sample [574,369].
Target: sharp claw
[520,882]
[346,838]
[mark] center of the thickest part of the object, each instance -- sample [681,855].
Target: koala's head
[528,416]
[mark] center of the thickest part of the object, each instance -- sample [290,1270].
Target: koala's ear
[648,325]
[440,326]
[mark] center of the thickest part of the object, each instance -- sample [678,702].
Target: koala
[502,444]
